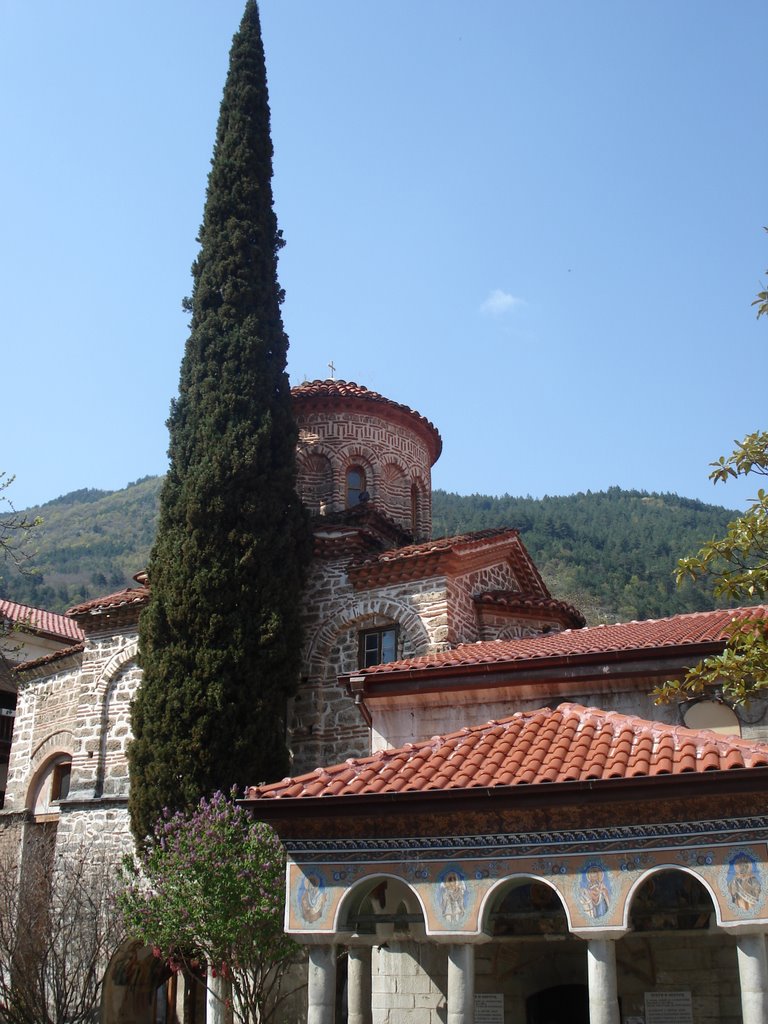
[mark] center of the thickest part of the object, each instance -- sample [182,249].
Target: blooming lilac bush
[208,892]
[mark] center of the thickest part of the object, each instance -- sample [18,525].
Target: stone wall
[76,709]
[99,827]
[409,984]
[324,725]
[44,726]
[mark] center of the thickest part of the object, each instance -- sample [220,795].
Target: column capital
[600,934]
[738,928]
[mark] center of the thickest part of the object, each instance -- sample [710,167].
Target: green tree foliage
[14,527]
[761,300]
[220,640]
[83,537]
[208,892]
[737,567]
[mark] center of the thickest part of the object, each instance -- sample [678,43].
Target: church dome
[357,447]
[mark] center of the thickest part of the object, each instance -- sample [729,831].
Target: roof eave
[419,680]
[681,784]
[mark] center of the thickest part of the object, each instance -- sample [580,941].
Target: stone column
[321,985]
[359,985]
[753,978]
[461,984]
[601,975]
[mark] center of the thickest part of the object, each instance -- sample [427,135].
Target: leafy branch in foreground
[208,892]
[761,300]
[737,562]
[738,566]
[14,526]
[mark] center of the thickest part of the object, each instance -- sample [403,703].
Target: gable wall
[81,709]
[324,724]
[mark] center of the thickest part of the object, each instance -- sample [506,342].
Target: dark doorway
[562,1004]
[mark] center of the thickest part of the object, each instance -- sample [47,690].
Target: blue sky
[539,224]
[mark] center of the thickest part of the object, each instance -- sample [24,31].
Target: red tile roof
[650,634]
[49,659]
[568,744]
[332,392]
[39,621]
[130,597]
[533,604]
[447,554]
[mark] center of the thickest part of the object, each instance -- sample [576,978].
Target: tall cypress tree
[219,641]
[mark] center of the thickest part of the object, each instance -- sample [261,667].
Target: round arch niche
[525,907]
[138,987]
[382,907]
[671,900]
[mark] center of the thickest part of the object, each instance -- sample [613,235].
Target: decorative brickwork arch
[113,666]
[393,471]
[394,494]
[110,674]
[516,630]
[60,742]
[355,454]
[367,609]
[315,477]
[57,747]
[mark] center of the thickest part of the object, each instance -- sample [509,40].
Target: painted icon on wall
[594,891]
[743,881]
[312,897]
[452,895]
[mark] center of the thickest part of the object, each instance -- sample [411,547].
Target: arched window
[51,785]
[355,485]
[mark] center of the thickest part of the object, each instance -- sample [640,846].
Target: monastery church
[488,820]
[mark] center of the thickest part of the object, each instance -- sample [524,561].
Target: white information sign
[489,1008]
[668,1008]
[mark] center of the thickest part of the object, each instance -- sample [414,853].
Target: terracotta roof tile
[533,604]
[335,391]
[446,554]
[131,596]
[649,634]
[48,659]
[568,744]
[39,621]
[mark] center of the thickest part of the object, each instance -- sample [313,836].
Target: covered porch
[561,865]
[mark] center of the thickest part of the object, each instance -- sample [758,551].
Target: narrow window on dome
[378,646]
[355,485]
[415,510]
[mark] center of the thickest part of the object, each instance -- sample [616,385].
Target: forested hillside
[90,543]
[612,553]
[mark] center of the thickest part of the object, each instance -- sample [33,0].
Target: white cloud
[499,302]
